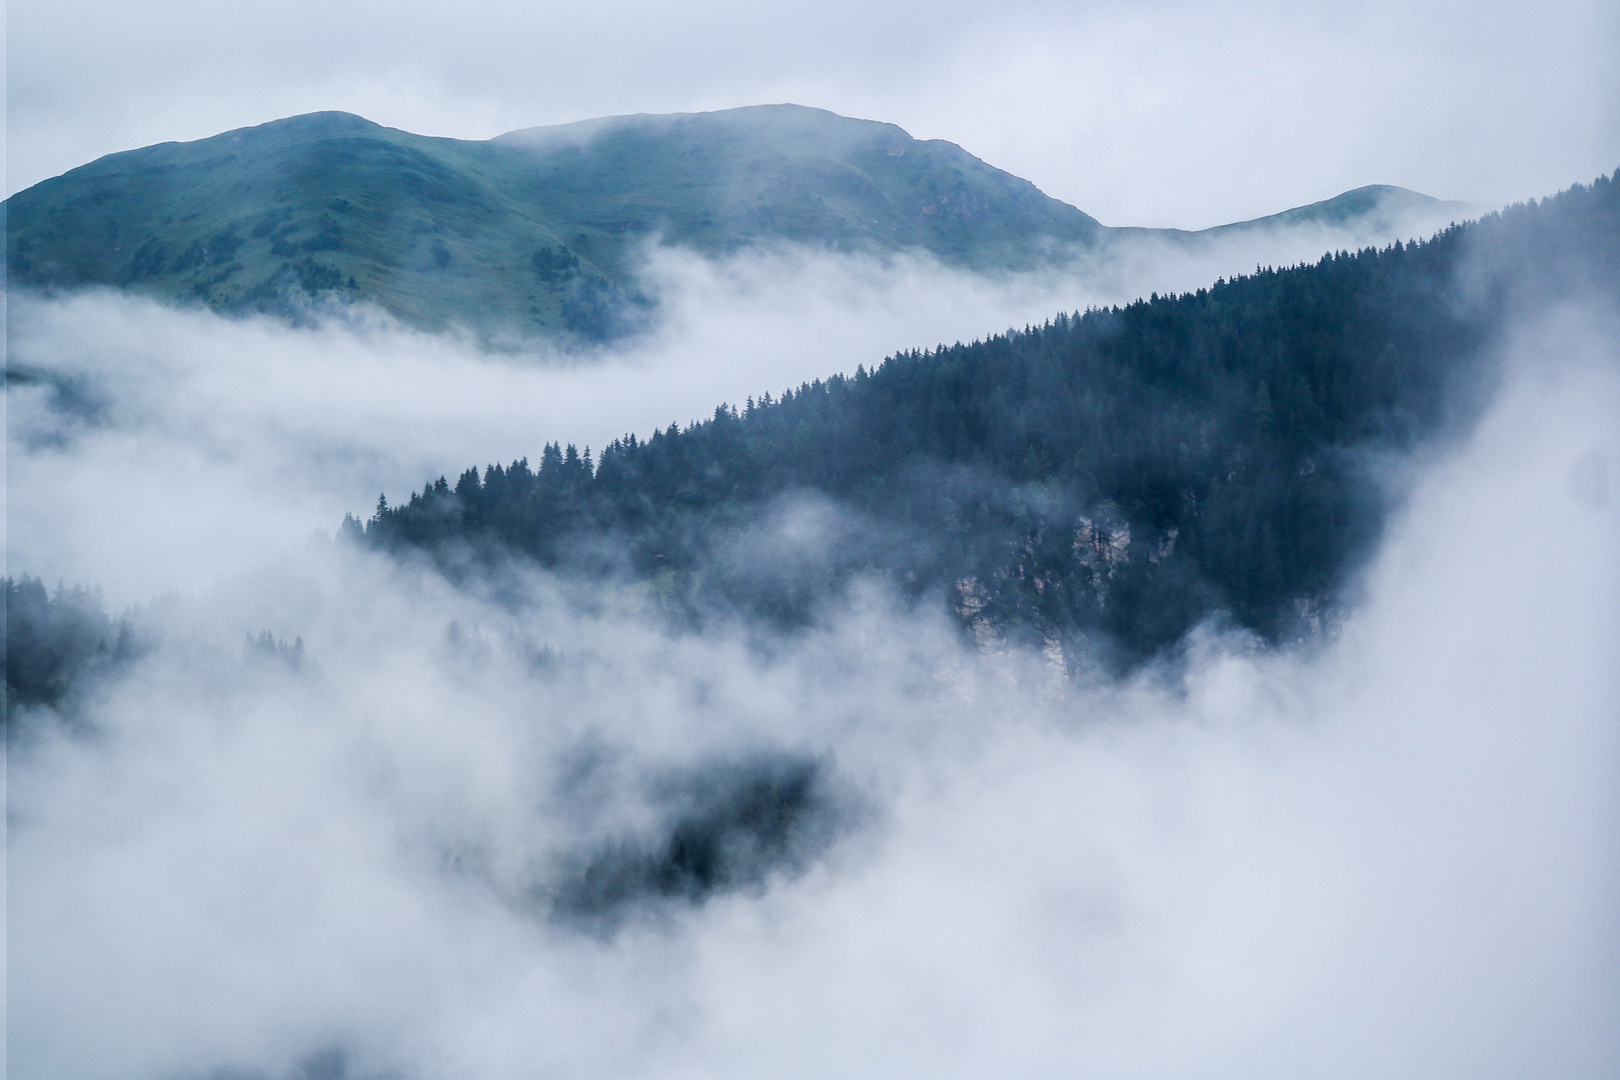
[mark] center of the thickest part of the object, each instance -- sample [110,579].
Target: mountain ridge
[538,230]
[1096,486]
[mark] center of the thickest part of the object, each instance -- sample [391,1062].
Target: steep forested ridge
[1117,475]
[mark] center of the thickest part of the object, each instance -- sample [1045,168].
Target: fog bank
[153,448]
[1392,853]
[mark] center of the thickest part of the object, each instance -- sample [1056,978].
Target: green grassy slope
[534,231]
[720,181]
[323,203]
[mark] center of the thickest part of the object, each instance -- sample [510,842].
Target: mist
[154,448]
[1391,853]
[455,836]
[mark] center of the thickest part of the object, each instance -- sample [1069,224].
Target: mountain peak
[1370,208]
[536,230]
[326,122]
[539,230]
[771,121]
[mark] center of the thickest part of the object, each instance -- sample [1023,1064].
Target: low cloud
[154,448]
[1390,852]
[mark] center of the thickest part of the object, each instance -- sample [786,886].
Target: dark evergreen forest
[54,638]
[59,643]
[1111,477]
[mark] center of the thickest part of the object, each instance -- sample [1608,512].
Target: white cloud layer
[1392,856]
[160,448]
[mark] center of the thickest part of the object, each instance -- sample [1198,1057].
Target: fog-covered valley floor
[513,827]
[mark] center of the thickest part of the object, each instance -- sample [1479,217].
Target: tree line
[1117,474]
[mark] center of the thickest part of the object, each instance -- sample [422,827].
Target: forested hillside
[1115,475]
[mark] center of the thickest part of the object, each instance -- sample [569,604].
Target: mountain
[1109,478]
[1374,214]
[537,230]
[1376,206]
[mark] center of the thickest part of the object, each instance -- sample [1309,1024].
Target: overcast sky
[1148,112]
